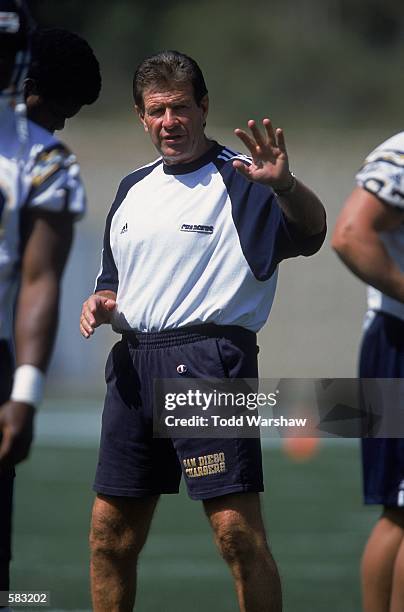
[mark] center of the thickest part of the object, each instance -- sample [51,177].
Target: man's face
[175,122]
[50,113]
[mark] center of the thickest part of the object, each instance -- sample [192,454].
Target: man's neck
[204,147]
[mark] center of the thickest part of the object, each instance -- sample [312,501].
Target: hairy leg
[240,536]
[378,561]
[119,530]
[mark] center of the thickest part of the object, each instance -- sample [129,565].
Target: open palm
[270,165]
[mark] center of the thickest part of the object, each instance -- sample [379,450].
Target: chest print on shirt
[200,229]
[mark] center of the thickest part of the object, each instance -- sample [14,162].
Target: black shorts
[135,464]
[6,476]
[382,356]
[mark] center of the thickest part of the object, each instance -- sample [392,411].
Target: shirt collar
[194,165]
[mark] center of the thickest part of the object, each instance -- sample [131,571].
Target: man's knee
[114,533]
[239,544]
[109,540]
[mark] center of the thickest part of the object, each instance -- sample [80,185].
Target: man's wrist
[28,386]
[288,188]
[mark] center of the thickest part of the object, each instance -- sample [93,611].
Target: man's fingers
[247,140]
[96,310]
[16,432]
[91,306]
[5,447]
[280,139]
[87,315]
[110,304]
[90,318]
[256,133]
[87,319]
[86,330]
[270,132]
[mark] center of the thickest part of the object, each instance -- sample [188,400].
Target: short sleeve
[55,182]
[266,236]
[107,278]
[382,174]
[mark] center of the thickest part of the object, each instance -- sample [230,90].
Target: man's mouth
[173,138]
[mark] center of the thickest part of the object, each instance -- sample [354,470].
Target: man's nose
[169,119]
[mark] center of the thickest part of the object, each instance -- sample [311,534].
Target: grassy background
[316,523]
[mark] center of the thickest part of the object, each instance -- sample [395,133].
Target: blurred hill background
[316,62]
[329,71]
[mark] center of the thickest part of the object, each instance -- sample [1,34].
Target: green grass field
[314,514]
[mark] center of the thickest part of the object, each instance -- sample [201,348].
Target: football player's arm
[358,243]
[96,310]
[47,245]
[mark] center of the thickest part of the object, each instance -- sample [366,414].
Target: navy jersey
[37,174]
[195,243]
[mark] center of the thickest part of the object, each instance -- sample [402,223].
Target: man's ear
[140,113]
[204,104]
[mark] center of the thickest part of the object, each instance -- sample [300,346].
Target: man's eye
[154,112]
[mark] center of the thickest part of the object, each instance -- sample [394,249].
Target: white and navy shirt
[383,175]
[37,174]
[195,243]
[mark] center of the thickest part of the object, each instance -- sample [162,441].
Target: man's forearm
[368,259]
[36,321]
[304,209]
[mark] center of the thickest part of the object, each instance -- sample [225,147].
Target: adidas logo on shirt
[124,229]
[200,229]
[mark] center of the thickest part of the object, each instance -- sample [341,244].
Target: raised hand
[270,165]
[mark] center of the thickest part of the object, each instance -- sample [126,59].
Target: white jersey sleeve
[382,172]
[54,181]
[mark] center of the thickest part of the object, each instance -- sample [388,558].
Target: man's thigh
[131,462]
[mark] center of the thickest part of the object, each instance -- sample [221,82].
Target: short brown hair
[167,68]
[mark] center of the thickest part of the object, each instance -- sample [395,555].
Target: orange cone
[300,449]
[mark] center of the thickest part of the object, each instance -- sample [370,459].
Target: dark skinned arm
[47,241]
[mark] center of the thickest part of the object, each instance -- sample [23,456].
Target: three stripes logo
[227,155]
[124,229]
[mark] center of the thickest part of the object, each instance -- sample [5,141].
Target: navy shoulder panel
[108,277]
[266,236]
[258,220]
